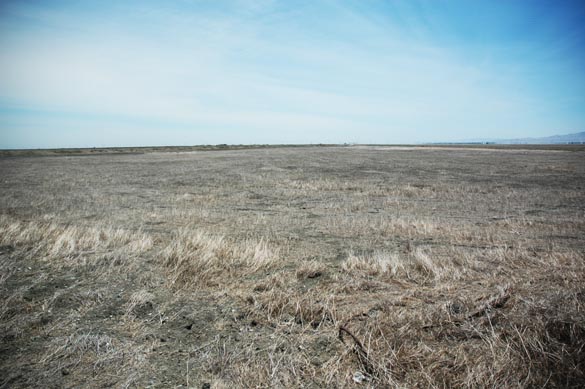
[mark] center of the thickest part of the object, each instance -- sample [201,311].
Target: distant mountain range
[578,137]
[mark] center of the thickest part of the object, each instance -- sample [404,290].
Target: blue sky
[131,73]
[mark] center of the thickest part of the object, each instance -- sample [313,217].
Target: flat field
[352,266]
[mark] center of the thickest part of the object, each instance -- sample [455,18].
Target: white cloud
[205,70]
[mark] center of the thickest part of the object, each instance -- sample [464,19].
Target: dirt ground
[356,266]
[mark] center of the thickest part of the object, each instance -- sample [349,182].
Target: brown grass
[194,257]
[319,267]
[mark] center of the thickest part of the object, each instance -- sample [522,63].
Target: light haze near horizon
[137,73]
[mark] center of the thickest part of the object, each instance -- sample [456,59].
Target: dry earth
[294,267]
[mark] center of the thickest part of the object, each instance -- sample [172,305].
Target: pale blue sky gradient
[204,72]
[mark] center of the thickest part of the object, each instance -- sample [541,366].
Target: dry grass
[335,267]
[50,240]
[196,258]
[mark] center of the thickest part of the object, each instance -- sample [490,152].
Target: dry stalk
[358,349]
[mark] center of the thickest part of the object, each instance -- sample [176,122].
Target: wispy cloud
[262,71]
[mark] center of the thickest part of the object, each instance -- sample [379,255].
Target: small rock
[359,377]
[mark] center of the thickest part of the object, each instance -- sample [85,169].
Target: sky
[140,73]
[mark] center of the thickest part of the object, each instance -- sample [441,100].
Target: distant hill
[578,137]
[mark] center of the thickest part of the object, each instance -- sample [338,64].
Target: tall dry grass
[196,258]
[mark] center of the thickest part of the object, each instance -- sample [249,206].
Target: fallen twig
[494,302]
[358,349]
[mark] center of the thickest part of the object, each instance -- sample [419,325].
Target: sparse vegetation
[294,267]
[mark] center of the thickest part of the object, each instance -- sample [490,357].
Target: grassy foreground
[294,267]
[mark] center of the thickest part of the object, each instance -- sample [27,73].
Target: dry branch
[358,349]
[494,302]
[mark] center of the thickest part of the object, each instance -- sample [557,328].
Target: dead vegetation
[197,258]
[335,267]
